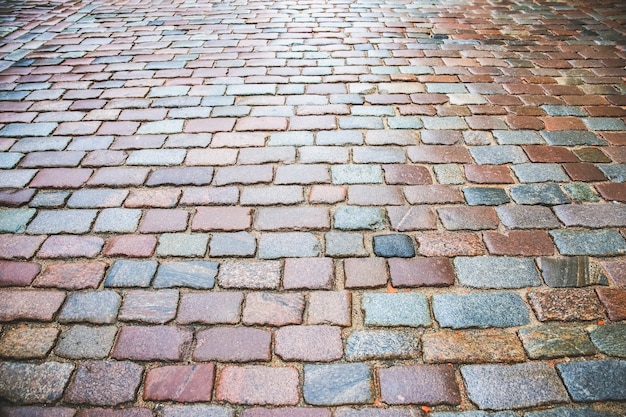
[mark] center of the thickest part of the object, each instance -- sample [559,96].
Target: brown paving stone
[273,309]
[419,384]
[613,191]
[258,385]
[221,219]
[145,343]
[566,304]
[472,346]
[616,270]
[439,154]
[73,276]
[233,344]
[488,174]
[164,220]
[519,243]
[327,194]
[18,274]
[409,218]
[365,272]
[407,174]
[585,172]
[39,305]
[28,342]
[468,218]
[313,343]
[210,308]
[420,272]
[132,246]
[548,154]
[188,383]
[450,244]
[614,300]
[104,383]
[66,246]
[61,178]
[149,306]
[308,273]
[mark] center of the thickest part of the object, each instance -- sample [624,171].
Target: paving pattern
[312,208]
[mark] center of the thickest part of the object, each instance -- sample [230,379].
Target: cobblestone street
[312,208]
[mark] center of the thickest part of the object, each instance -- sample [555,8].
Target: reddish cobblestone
[145,343]
[566,304]
[190,383]
[233,344]
[18,274]
[73,276]
[614,300]
[132,246]
[519,243]
[258,385]
[39,305]
[420,272]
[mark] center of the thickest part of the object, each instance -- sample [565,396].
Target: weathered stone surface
[94,307]
[337,384]
[253,275]
[86,342]
[589,242]
[28,342]
[36,411]
[377,412]
[556,340]
[571,272]
[595,380]
[566,304]
[359,218]
[317,343]
[501,387]
[394,246]
[193,274]
[614,300]
[418,272]
[419,384]
[104,383]
[125,273]
[258,385]
[610,339]
[459,311]
[191,383]
[402,309]
[145,343]
[472,346]
[197,411]
[571,412]
[233,344]
[381,344]
[273,309]
[32,384]
[149,306]
[497,272]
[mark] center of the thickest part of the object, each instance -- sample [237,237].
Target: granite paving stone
[556,340]
[610,339]
[402,309]
[496,272]
[419,384]
[337,384]
[31,383]
[86,342]
[595,380]
[98,307]
[312,209]
[501,387]
[480,310]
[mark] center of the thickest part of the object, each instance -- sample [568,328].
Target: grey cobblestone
[496,272]
[359,218]
[181,244]
[127,273]
[98,307]
[480,310]
[337,384]
[357,174]
[590,242]
[396,310]
[381,344]
[192,274]
[288,245]
[63,221]
[595,380]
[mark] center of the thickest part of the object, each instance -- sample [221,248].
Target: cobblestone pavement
[312,208]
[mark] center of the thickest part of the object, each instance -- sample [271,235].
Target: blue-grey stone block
[183,244]
[232,244]
[401,309]
[571,412]
[589,242]
[497,272]
[288,245]
[545,194]
[93,307]
[610,339]
[359,218]
[338,384]
[480,310]
[518,137]
[394,246]
[614,172]
[193,274]
[540,173]
[15,220]
[501,387]
[126,273]
[603,380]
[498,155]
[485,196]
[381,344]
[571,138]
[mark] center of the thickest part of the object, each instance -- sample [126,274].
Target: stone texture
[233,344]
[40,305]
[254,275]
[145,343]
[610,339]
[28,342]
[258,385]
[421,272]
[501,387]
[419,384]
[565,304]
[273,309]
[472,346]
[192,274]
[337,384]
[503,309]
[98,307]
[210,308]
[32,384]
[86,342]
[146,306]
[402,309]
[595,380]
[72,276]
[556,340]
[104,383]
[191,383]
[574,271]
[308,343]
[496,272]
[308,273]
[381,344]
[589,242]
[614,300]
